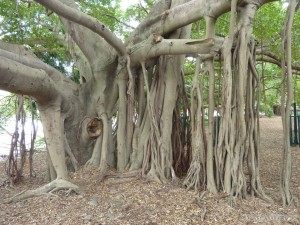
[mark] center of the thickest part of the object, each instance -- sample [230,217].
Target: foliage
[39,144]
[104,10]
[267,109]
[222,26]
[7,109]
[268,26]
[33,26]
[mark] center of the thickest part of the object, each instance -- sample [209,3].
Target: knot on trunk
[156,38]
[94,127]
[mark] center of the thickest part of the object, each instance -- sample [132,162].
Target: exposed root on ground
[48,189]
[194,179]
[102,174]
[91,164]
[117,178]
[134,173]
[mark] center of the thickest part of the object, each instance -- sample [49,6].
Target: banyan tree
[131,111]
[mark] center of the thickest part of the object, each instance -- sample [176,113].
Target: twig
[113,17]
[142,7]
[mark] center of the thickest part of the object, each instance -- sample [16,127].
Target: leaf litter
[134,201]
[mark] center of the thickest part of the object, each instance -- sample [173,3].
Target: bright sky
[5,138]
[285,5]
[126,3]
[3,94]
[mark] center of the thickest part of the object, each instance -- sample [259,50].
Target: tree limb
[31,62]
[22,79]
[119,21]
[196,9]
[182,15]
[86,21]
[268,56]
[156,45]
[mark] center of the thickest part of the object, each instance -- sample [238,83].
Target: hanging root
[194,177]
[48,189]
[196,174]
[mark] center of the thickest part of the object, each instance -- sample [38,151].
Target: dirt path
[133,201]
[271,144]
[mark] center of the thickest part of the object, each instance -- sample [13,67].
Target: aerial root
[155,176]
[192,180]
[48,189]
[91,164]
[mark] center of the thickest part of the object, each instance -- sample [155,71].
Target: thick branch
[156,46]
[32,62]
[267,53]
[86,21]
[21,79]
[17,49]
[267,56]
[184,14]
[196,9]
[152,18]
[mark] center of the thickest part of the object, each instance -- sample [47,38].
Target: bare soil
[135,201]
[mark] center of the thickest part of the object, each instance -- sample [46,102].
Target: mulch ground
[134,201]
